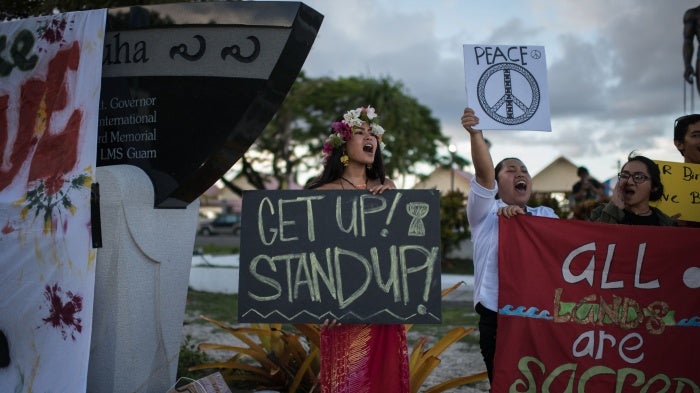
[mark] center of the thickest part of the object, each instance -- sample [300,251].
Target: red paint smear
[56,155]
[54,31]
[63,145]
[7,229]
[63,316]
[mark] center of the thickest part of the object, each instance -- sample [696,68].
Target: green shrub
[190,355]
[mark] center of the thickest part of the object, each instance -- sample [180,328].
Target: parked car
[223,223]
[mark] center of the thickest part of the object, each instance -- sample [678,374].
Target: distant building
[445,179]
[557,177]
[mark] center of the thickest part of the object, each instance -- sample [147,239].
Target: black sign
[307,256]
[188,87]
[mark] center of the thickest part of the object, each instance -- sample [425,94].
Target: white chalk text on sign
[351,256]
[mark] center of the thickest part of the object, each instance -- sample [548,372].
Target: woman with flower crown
[359,358]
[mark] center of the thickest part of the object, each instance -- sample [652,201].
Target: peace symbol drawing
[509,108]
[507,86]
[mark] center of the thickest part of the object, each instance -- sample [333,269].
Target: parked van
[223,223]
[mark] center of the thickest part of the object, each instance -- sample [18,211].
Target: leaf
[253,370]
[283,359]
[304,369]
[422,364]
[311,332]
[456,382]
[423,369]
[295,346]
[259,355]
[451,289]
[448,339]
[417,353]
[239,333]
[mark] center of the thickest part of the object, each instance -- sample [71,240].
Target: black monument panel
[167,139]
[187,88]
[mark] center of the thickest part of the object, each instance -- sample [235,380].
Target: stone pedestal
[142,273]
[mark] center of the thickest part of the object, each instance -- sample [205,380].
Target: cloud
[513,31]
[577,81]
[615,68]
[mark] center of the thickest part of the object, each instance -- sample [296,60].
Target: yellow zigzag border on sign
[332,315]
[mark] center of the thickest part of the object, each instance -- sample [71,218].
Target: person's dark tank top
[633,219]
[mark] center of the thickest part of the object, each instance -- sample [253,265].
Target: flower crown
[341,131]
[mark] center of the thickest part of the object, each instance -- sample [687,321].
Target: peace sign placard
[507,86]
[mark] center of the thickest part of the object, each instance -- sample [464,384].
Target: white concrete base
[141,281]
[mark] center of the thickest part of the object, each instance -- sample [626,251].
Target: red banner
[589,307]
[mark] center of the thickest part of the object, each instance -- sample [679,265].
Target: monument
[691,32]
[186,89]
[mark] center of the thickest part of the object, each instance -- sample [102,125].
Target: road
[218,240]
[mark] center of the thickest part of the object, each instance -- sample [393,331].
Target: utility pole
[453,150]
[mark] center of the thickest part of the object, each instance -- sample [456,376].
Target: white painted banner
[50,71]
[507,86]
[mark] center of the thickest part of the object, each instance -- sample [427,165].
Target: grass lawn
[224,308]
[215,249]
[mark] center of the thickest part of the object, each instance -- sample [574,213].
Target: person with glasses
[686,137]
[639,182]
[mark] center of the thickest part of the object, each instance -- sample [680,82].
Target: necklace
[646,213]
[355,186]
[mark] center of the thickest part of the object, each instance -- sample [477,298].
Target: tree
[292,142]
[11,9]
[454,226]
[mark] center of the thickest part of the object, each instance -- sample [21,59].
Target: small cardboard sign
[308,256]
[213,383]
[507,86]
[681,190]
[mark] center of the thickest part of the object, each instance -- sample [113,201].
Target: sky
[614,68]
